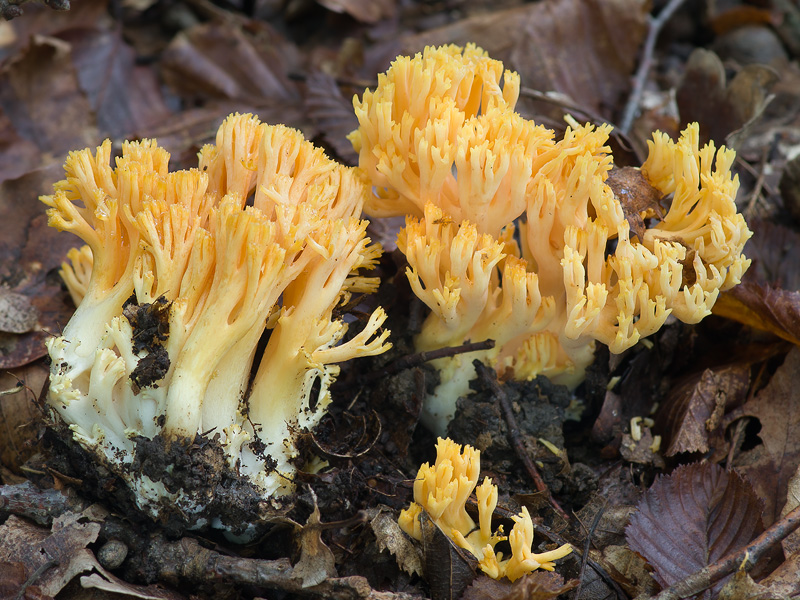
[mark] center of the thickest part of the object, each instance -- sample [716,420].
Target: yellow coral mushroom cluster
[182,275]
[442,490]
[440,141]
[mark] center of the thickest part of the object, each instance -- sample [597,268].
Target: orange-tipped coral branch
[457,160]
[209,275]
[442,491]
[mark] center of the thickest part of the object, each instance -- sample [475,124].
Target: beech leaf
[447,568]
[692,518]
[770,466]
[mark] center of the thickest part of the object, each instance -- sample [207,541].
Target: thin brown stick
[645,62]
[589,534]
[562,102]
[744,558]
[415,360]
[187,562]
[755,195]
[490,378]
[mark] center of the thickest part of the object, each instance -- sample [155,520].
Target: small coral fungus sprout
[179,281]
[441,143]
[442,491]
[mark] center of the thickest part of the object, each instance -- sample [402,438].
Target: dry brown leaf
[585,49]
[17,155]
[742,587]
[692,518]
[368,11]
[643,451]
[43,99]
[20,420]
[108,583]
[332,113]
[17,314]
[13,575]
[773,250]
[628,569]
[448,569]
[216,62]
[783,582]
[791,545]
[777,407]
[317,562]
[539,585]
[125,98]
[719,107]
[390,537]
[63,549]
[29,251]
[693,411]
[763,307]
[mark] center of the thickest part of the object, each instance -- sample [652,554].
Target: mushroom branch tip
[202,315]
[516,236]
[441,490]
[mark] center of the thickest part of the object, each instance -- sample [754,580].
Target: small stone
[112,554]
[753,44]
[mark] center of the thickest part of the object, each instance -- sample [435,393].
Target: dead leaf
[317,562]
[777,407]
[628,569]
[693,411]
[584,49]
[41,95]
[30,252]
[368,11]
[721,108]
[332,113]
[448,569]
[783,582]
[791,544]
[773,250]
[742,587]
[763,307]
[643,451]
[126,99]
[216,62]
[61,553]
[390,537]
[17,314]
[13,576]
[107,582]
[692,518]
[17,155]
[636,195]
[19,417]
[538,585]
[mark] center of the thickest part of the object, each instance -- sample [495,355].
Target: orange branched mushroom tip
[442,144]
[442,490]
[183,273]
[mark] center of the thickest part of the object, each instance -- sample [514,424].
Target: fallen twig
[490,378]
[415,360]
[645,63]
[186,561]
[589,533]
[41,506]
[743,558]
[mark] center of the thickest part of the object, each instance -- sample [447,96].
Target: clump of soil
[539,408]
